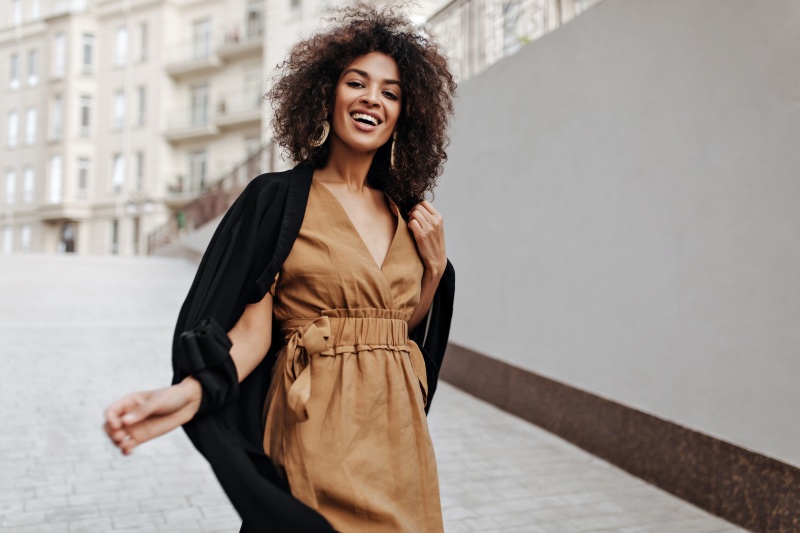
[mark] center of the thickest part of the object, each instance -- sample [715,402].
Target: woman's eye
[354,84]
[389,95]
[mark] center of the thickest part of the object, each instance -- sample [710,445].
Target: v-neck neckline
[392,208]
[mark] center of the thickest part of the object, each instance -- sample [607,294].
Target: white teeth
[372,120]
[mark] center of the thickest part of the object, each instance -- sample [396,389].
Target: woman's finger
[116,410]
[157,403]
[153,427]
[420,218]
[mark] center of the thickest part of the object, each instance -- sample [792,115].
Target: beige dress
[345,420]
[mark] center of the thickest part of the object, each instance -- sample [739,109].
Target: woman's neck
[346,167]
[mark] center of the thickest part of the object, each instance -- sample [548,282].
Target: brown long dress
[345,419]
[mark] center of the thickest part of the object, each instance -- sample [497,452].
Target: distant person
[308,349]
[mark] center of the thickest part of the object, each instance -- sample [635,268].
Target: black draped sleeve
[247,248]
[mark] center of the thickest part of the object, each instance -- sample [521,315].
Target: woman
[318,269]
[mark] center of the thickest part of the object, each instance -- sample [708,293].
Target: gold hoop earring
[391,156]
[319,141]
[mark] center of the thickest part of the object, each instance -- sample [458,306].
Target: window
[119,109]
[34,9]
[139,170]
[85,116]
[201,43]
[11,186]
[25,238]
[83,177]
[16,10]
[58,118]
[137,231]
[33,71]
[13,72]
[198,165]
[512,26]
[27,185]
[118,172]
[252,145]
[88,49]
[13,128]
[251,89]
[115,236]
[142,104]
[55,179]
[30,125]
[8,239]
[59,55]
[199,105]
[294,4]
[143,41]
[121,56]
[254,16]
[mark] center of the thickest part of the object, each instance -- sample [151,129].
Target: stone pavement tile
[220,525]
[177,516]
[99,524]
[137,520]
[48,528]
[162,503]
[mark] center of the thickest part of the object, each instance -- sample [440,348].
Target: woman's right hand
[141,416]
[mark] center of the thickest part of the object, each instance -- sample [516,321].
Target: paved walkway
[76,333]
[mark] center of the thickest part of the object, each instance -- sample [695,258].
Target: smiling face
[367,103]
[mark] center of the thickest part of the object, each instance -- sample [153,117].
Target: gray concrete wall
[622,206]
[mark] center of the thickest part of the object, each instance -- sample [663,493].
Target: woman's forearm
[251,336]
[430,282]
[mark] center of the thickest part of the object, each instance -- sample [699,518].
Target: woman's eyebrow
[364,74]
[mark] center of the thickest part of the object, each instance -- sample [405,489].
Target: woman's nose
[370,97]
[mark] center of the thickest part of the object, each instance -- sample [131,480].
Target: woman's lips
[363,127]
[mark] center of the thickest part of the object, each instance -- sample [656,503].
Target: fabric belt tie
[301,344]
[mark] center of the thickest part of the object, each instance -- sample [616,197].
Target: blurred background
[622,206]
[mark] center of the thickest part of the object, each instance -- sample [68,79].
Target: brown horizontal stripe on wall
[739,485]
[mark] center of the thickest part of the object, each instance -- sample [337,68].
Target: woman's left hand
[427,226]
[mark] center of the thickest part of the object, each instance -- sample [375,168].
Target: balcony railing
[184,124]
[477,33]
[54,8]
[238,109]
[212,201]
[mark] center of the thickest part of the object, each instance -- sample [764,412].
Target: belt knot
[301,344]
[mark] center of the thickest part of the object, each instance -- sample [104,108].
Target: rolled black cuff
[206,356]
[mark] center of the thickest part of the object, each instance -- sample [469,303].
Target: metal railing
[231,103]
[214,200]
[206,48]
[477,33]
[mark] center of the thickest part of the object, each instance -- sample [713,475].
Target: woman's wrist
[433,273]
[192,389]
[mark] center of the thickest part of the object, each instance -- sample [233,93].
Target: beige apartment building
[116,112]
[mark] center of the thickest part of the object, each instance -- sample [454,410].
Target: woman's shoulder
[280,182]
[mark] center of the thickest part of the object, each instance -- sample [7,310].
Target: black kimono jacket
[247,250]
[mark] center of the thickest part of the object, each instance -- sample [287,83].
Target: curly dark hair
[304,90]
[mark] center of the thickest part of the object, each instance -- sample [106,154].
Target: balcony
[191,58]
[190,125]
[236,44]
[238,111]
[57,8]
[61,211]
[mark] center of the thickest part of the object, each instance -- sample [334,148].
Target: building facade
[117,112]
[478,33]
